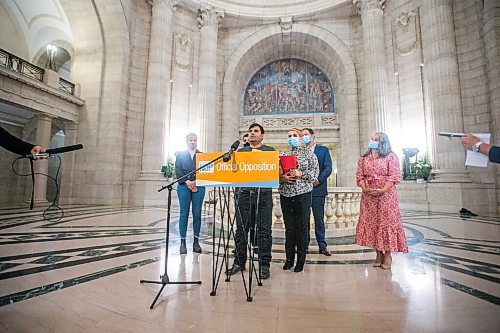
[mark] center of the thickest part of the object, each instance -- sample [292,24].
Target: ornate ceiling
[40,22]
[271,8]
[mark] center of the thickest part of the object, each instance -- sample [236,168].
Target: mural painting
[288,86]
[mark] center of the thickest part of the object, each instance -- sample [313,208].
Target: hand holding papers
[475,158]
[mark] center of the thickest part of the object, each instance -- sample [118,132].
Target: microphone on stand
[234,146]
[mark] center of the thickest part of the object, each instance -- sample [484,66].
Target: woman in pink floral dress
[379,224]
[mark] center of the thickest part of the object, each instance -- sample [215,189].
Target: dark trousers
[318,208]
[296,212]
[254,215]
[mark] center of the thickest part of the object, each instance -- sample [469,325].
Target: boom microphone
[451,135]
[65,149]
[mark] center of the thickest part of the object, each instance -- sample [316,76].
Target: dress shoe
[265,273]
[288,264]
[196,246]
[325,252]
[299,267]
[183,249]
[234,269]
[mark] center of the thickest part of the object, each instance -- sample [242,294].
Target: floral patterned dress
[379,225]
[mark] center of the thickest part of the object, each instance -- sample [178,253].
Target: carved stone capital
[169,3]
[209,17]
[366,5]
[286,23]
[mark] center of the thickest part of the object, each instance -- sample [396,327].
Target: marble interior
[82,274]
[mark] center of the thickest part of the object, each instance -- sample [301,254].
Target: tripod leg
[157,295]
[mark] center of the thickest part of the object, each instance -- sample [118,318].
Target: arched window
[288,86]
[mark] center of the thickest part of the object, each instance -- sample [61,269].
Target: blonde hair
[296,130]
[191,136]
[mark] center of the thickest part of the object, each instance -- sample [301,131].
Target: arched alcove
[61,56]
[317,46]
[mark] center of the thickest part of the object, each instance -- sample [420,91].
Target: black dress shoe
[183,249]
[288,264]
[234,269]
[265,273]
[299,267]
[325,252]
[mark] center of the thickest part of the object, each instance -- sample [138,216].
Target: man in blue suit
[320,190]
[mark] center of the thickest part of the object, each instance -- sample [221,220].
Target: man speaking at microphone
[253,204]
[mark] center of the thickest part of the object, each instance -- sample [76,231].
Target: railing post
[347,209]
[328,212]
[356,207]
[278,214]
[339,213]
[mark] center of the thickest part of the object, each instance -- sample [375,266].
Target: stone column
[208,19]
[372,18]
[158,89]
[43,136]
[68,163]
[443,89]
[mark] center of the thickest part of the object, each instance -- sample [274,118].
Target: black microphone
[234,146]
[60,150]
[451,135]
[54,151]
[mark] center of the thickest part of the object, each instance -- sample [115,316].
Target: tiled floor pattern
[81,274]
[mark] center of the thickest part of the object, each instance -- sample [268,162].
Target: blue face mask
[306,139]
[293,142]
[373,145]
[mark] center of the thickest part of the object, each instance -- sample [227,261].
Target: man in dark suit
[320,190]
[16,145]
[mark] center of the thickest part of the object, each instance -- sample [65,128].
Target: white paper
[478,159]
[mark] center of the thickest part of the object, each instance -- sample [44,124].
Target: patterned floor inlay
[451,258]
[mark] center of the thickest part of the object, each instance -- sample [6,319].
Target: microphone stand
[164,279]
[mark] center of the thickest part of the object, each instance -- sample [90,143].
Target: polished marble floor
[82,273]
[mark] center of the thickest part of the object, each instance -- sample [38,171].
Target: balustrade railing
[341,208]
[21,66]
[66,86]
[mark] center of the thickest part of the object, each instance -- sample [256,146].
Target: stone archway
[310,43]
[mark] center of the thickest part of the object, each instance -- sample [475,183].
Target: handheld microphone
[234,146]
[451,135]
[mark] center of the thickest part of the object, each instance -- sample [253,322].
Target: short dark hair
[257,125]
[309,130]
[245,135]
